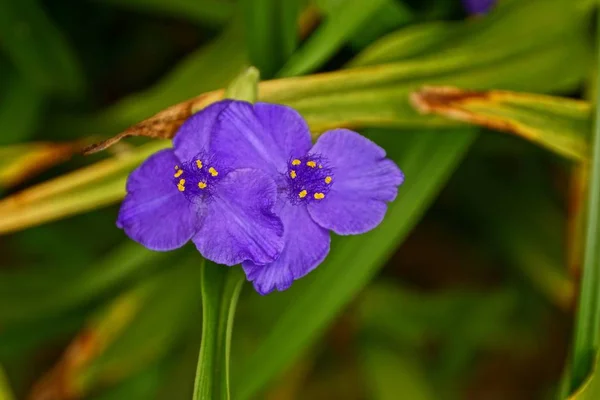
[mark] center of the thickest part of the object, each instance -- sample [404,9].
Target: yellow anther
[311,164]
[293,174]
[182,181]
[178,173]
[181,188]
[296,162]
[201,185]
[199,164]
[213,171]
[328,180]
[302,194]
[319,196]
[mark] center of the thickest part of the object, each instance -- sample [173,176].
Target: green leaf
[20,162]
[559,124]
[221,288]
[38,49]
[342,22]
[271,32]
[587,325]
[211,12]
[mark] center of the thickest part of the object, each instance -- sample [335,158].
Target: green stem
[588,315]
[221,288]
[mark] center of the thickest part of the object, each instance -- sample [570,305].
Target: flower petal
[154,213]
[363,180]
[194,135]
[239,223]
[263,136]
[306,246]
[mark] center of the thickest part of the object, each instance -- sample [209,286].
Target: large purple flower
[478,6]
[190,193]
[342,183]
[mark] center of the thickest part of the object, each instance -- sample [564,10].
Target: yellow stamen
[182,181]
[181,188]
[178,173]
[302,194]
[319,196]
[199,164]
[296,162]
[293,174]
[311,164]
[201,185]
[328,180]
[213,171]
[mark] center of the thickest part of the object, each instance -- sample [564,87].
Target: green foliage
[466,275]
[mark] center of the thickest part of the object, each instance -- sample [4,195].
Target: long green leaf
[341,24]
[559,124]
[271,32]
[587,327]
[221,287]
[38,49]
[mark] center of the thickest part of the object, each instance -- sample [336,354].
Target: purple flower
[478,6]
[341,183]
[190,193]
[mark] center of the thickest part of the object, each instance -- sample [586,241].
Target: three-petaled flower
[258,191]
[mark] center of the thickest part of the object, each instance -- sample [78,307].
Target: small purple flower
[341,183]
[478,6]
[190,193]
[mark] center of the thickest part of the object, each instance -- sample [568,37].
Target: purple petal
[239,222]
[194,135]
[306,246]
[478,6]
[363,180]
[263,136]
[154,213]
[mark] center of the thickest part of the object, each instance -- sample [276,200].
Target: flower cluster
[245,183]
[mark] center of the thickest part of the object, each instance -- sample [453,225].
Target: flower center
[309,179]
[196,178]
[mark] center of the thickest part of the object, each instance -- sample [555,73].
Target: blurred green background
[466,291]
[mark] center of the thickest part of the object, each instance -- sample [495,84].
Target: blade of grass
[587,326]
[271,32]
[340,25]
